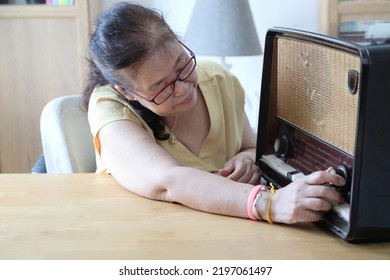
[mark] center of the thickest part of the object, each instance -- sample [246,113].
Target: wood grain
[90,216]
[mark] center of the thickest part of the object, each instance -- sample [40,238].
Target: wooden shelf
[39,11]
[333,12]
[43,57]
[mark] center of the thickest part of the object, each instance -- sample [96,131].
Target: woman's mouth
[189,97]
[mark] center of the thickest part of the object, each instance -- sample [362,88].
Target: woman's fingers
[322,177]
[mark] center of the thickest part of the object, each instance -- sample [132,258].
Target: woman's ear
[123,92]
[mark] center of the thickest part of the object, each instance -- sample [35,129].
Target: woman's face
[161,70]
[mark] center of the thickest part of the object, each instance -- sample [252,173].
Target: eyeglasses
[166,92]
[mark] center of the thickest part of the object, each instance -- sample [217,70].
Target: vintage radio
[325,102]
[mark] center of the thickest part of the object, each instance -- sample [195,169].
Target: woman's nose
[181,87]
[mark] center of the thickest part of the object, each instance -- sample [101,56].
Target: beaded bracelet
[253,198]
[273,190]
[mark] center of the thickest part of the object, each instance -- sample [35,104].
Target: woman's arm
[143,167]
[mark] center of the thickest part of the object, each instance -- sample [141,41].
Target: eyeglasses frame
[173,82]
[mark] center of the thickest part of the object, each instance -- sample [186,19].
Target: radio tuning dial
[344,172]
[283,146]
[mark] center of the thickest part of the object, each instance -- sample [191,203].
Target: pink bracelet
[251,199]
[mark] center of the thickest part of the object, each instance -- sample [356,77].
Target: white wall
[266,14]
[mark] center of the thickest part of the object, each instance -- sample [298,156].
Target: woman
[171,128]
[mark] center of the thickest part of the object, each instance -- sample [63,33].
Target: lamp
[222,28]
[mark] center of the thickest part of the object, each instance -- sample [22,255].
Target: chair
[66,138]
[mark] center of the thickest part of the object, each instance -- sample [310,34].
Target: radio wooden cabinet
[324,106]
[42,56]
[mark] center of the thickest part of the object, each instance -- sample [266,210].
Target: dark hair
[124,36]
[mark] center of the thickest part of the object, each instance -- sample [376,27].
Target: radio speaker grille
[313,93]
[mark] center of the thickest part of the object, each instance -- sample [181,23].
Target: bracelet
[253,198]
[254,206]
[273,190]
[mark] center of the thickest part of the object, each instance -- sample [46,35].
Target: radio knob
[283,146]
[344,172]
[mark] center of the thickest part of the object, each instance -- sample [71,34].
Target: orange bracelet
[273,190]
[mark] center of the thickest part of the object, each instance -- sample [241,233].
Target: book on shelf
[60,2]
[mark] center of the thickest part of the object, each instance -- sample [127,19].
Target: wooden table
[90,216]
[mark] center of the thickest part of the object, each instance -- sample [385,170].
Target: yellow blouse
[224,98]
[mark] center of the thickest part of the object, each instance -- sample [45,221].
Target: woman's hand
[242,168]
[305,199]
